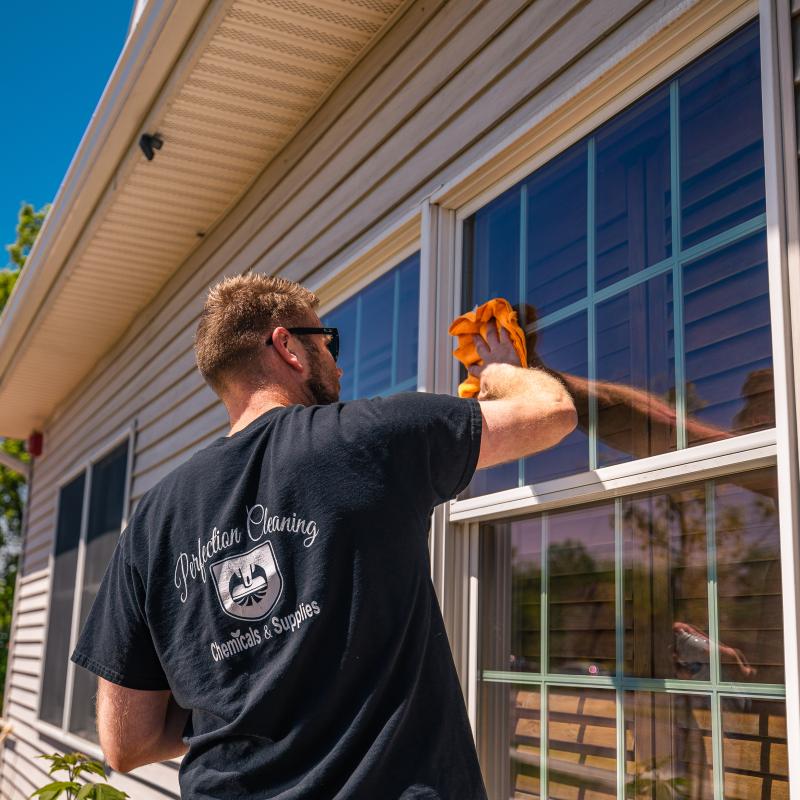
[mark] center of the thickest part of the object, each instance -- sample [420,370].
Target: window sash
[85,469]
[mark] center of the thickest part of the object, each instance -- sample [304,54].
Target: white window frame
[62,733]
[670,44]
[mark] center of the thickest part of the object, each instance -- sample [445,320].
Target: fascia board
[147,58]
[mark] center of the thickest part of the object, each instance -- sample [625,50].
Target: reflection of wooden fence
[754,749]
[668,742]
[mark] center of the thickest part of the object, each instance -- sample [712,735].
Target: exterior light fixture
[149,143]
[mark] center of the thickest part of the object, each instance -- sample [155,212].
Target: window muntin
[667,603]
[379,334]
[91,526]
[675,355]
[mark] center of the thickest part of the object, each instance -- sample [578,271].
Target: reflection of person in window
[691,654]
[623,409]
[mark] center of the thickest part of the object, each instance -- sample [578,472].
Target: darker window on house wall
[87,531]
[65,563]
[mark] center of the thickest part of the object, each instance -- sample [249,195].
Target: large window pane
[510,740]
[666,610]
[668,750]
[379,334]
[729,384]
[635,371]
[754,750]
[106,511]
[59,626]
[491,251]
[722,153]
[562,347]
[511,601]
[556,232]
[581,744]
[581,599]
[633,190]
[749,578]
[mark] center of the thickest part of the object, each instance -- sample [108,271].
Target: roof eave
[152,48]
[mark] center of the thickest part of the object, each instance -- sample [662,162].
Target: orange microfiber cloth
[503,315]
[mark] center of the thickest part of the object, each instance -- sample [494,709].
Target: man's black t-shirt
[279,584]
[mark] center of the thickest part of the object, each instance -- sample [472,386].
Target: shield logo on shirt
[248,585]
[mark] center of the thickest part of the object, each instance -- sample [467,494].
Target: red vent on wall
[35,443]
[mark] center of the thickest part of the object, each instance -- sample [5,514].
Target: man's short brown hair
[238,315]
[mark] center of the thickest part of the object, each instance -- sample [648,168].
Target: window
[632,646]
[637,640]
[91,511]
[637,262]
[379,334]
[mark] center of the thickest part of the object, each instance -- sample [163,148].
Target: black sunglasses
[332,344]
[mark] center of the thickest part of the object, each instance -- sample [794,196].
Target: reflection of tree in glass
[665,576]
[581,608]
[526,587]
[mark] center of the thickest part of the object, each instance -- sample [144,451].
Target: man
[277,584]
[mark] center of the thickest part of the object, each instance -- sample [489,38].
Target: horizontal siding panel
[184,438]
[32,619]
[23,699]
[24,681]
[193,404]
[28,650]
[144,481]
[27,666]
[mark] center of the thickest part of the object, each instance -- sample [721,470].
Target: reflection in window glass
[581,600]
[556,232]
[510,755]
[581,744]
[106,511]
[749,578]
[729,385]
[660,389]
[754,750]
[563,347]
[511,604]
[722,152]
[491,251]
[664,537]
[379,334]
[668,752]
[633,193]
[635,370]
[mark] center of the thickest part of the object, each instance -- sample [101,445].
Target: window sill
[739,453]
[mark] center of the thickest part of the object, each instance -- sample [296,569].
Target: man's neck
[247,409]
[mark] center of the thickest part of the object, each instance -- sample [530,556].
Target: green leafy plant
[75,764]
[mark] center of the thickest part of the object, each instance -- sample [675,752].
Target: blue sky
[54,63]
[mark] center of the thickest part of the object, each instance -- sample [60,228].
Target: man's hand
[495,349]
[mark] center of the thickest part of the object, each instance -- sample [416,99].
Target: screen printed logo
[248,585]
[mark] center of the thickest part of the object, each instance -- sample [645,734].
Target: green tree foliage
[12,484]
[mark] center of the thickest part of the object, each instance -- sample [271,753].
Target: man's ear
[285,349]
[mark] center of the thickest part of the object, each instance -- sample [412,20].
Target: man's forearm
[507,382]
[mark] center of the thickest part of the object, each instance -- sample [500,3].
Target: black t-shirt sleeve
[115,642]
[432,440]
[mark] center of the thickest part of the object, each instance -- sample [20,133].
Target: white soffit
[257,79]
